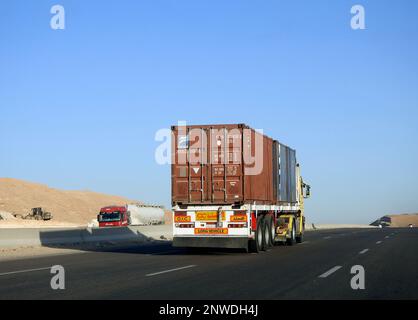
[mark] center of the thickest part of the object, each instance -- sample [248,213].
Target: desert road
[319,268]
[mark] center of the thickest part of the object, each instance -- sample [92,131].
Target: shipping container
[284,173]
[230,164]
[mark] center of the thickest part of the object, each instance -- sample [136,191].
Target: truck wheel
[299,239]
[270,232]
[267,233]
[292,238]
[258,244]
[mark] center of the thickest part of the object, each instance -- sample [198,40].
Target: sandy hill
[398,220]
[74,207]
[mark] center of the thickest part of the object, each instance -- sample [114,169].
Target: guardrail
[45,237]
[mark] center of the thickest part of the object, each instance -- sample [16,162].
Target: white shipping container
[142,215]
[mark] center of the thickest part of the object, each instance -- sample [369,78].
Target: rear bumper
[211,242]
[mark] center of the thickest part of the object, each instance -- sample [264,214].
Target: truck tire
[299,238]
[258,244]
[270,231]
[292,238]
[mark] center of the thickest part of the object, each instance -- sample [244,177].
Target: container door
[180,169]
[234,166]
[226,165]
[197,165]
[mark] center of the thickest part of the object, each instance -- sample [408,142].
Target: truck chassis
[253,227]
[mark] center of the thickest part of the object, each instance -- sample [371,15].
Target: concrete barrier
[18,237]
[44,237]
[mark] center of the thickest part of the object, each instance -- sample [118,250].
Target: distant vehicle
[36,214]
[113,216]
[234,187]
[131,214]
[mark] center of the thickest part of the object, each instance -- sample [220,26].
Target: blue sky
[80,107]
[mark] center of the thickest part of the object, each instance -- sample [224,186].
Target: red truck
[113,216]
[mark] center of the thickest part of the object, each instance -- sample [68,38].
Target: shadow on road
[120,240]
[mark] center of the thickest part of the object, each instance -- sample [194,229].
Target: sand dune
[74,207]
[398,220]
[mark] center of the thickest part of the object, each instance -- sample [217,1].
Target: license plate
[210,225]
[208,215]
[209,231]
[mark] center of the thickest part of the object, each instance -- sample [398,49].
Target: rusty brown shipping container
[225,164]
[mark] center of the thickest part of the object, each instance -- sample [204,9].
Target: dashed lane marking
[170,270]
[329,272]
[24,271]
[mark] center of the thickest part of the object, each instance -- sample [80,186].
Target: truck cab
[113,216]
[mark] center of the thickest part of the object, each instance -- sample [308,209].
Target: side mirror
[307,191]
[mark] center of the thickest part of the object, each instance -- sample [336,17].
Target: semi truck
[113,216]
[131,214]
[234,187]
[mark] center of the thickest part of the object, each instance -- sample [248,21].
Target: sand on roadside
[69,208]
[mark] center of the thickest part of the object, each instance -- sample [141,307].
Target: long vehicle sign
[209,231]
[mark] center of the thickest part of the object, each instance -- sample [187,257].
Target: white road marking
[329,272]
[363,251]
[304,242]
[387,237]
[378,242]
[327,237]
[171,270]
[24,271]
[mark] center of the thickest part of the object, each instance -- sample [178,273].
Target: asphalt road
[317,269]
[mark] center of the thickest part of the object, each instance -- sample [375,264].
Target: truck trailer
[130,214]
[234,187]
[142,215]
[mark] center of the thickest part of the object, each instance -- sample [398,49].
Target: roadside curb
[45,237]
